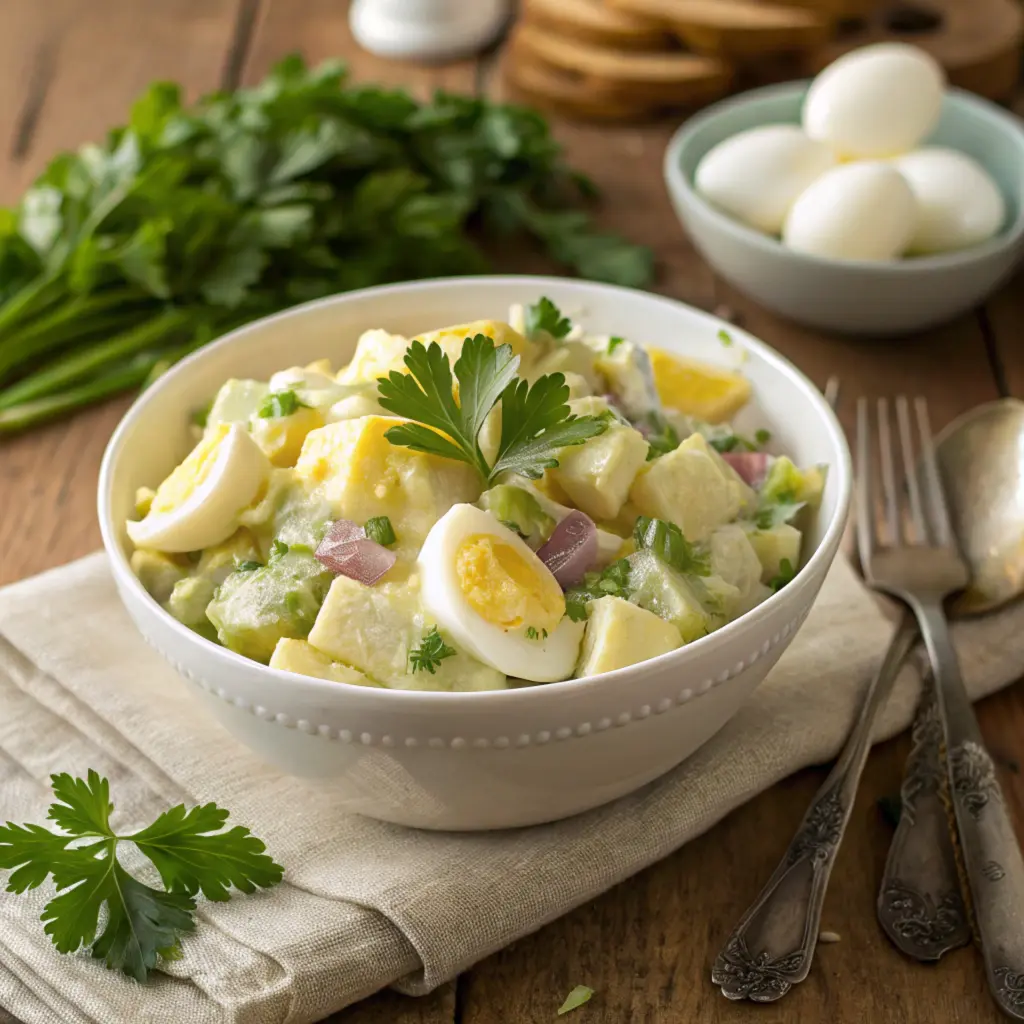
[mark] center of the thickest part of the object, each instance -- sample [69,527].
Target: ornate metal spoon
[981,458]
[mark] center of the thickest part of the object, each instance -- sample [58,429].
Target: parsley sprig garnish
[430,653]
[188,848]
[544,317]
[535,421]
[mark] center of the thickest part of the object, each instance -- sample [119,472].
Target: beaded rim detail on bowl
[544,736]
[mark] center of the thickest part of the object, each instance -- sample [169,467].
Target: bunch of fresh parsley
[143,924]
[190,220]
[535,419]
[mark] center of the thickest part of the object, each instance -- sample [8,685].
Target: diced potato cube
[775,545]
[734,559]
[598,474]
[282,437]
[698,389]
[252,610]
[157,572]
[569,357]
[377,352]
[301,657]
[451,339]
[374,628]
[687,487]
[667,594]
[626,380]
[236,402]
[620,633]
[364,475]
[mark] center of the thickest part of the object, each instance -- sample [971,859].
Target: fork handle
[992,858]
[920,902]
[773,945]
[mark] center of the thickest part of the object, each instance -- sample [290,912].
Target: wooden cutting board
[978,42]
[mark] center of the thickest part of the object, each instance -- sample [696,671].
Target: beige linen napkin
[364,904]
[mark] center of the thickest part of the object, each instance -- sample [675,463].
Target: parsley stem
[30,413]
[72,369]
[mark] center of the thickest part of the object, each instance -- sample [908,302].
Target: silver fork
[773,945]
[915,559]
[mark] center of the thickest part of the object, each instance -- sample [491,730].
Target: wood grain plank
[1006,317]
[392,1008]
[103,55]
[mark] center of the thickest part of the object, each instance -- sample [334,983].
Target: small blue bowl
[853,296]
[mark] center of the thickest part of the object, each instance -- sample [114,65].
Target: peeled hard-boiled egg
[756,175]
[496,599]
[858,211]
[878,101]
[198,505]
[958,203]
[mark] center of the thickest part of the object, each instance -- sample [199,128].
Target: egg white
[209,514]
[510,651]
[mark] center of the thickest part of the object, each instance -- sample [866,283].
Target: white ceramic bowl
[852,296]
[477,760]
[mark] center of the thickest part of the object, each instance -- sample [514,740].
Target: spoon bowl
[981,458]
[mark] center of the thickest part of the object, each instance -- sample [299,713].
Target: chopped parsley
[533,634]
[662,437]
[724,337]
[612,581]
[248,566]
[544,317]
[536,423]
[143,923]
[667,543]
[775,513]
[278,549]
[762,436]
[576,998]
[614,342]
[732,443]
[280,403]
[379,529]
[430,653]
[785,575]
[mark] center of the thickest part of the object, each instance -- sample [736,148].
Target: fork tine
[865,501]
[910,468]
[938,510]
[889,493]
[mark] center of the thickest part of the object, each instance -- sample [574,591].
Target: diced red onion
[571,549]
[751,466]
[342,531]
[362,560]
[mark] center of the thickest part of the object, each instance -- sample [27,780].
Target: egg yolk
[503,588]
[191,473]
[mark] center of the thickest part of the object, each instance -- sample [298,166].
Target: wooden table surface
[68,70]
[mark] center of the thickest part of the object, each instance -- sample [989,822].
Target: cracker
[593,21]
[659,79]
[734,28]
[562,93]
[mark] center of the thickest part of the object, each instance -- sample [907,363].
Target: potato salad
[488,505]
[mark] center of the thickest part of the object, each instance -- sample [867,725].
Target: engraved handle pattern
[920,906]
[773,945]
[992,857]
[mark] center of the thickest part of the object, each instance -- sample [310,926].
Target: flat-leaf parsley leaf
[536,421]
[576,998]
[544,317]
[189,849]
[280,403]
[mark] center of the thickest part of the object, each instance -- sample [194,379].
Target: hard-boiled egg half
[198,505]
[495,598]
